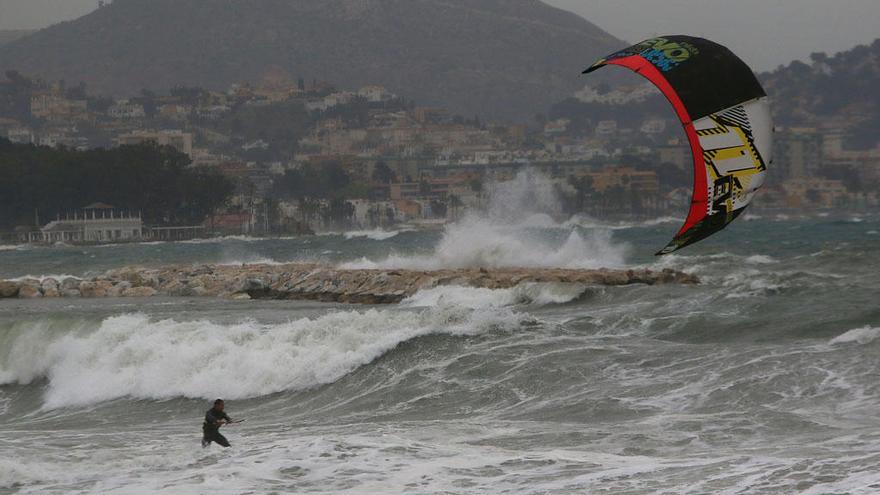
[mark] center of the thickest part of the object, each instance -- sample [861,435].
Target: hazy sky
[765,33]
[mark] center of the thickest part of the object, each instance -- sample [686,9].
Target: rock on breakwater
[316,282]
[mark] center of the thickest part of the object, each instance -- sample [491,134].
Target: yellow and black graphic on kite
[732,159]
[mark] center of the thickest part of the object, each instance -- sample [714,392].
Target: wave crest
[135,356]
[863,335]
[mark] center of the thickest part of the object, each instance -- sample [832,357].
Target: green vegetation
[149,178]
[839,89]
[280,125]
[325,181]
[15,96]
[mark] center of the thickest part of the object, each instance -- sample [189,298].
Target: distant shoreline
[377,232]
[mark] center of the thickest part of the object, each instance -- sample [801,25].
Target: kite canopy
[726,115]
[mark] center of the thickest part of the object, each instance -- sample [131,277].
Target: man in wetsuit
[214,419]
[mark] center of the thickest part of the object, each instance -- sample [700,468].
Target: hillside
[838,90]
[9,35]
[497,58]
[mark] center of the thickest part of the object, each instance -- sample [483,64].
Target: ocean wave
[216,240]
[473,297]
[760,259]
[863,335]
[234,238]
[14,247]
[135,356]
[374,235]
[14,473]
[591,223]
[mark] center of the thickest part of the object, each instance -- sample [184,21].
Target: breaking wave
[518,229]
[472,297]
[135,356]
[375,235]
[479,243]
[14,247]
[864,335]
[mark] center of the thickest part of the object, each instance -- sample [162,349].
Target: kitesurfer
[214,419]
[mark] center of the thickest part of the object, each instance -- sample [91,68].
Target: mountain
[496,58]
[837,90]
[9,35]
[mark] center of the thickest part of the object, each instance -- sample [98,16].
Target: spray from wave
[518,229]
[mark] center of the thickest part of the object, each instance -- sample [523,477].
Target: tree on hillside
[325,181]
[382,173]
[147,99]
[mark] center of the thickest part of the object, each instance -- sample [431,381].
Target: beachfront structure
[94,223]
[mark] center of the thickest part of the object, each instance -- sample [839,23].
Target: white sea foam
[136,356]
[14,247]
[432,457]
[760,259]
[863,335]
[471,297]
[228,238]
[375,235]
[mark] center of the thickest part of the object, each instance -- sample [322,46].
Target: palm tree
[454,204]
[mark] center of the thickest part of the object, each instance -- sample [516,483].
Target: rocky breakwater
[315,282]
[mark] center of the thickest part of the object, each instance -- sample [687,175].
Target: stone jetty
[315,282]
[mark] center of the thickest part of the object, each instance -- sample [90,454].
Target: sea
[762,379]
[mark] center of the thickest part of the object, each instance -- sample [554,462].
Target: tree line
[37,183]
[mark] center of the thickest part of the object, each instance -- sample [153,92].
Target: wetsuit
[211,429]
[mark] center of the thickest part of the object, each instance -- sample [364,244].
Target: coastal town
[305,156]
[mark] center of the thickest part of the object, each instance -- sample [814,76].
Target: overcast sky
[765,33]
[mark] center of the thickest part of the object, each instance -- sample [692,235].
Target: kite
[726,116]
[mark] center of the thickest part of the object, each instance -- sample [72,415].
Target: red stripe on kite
[700,198]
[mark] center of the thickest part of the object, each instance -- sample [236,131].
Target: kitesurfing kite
[726,115]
